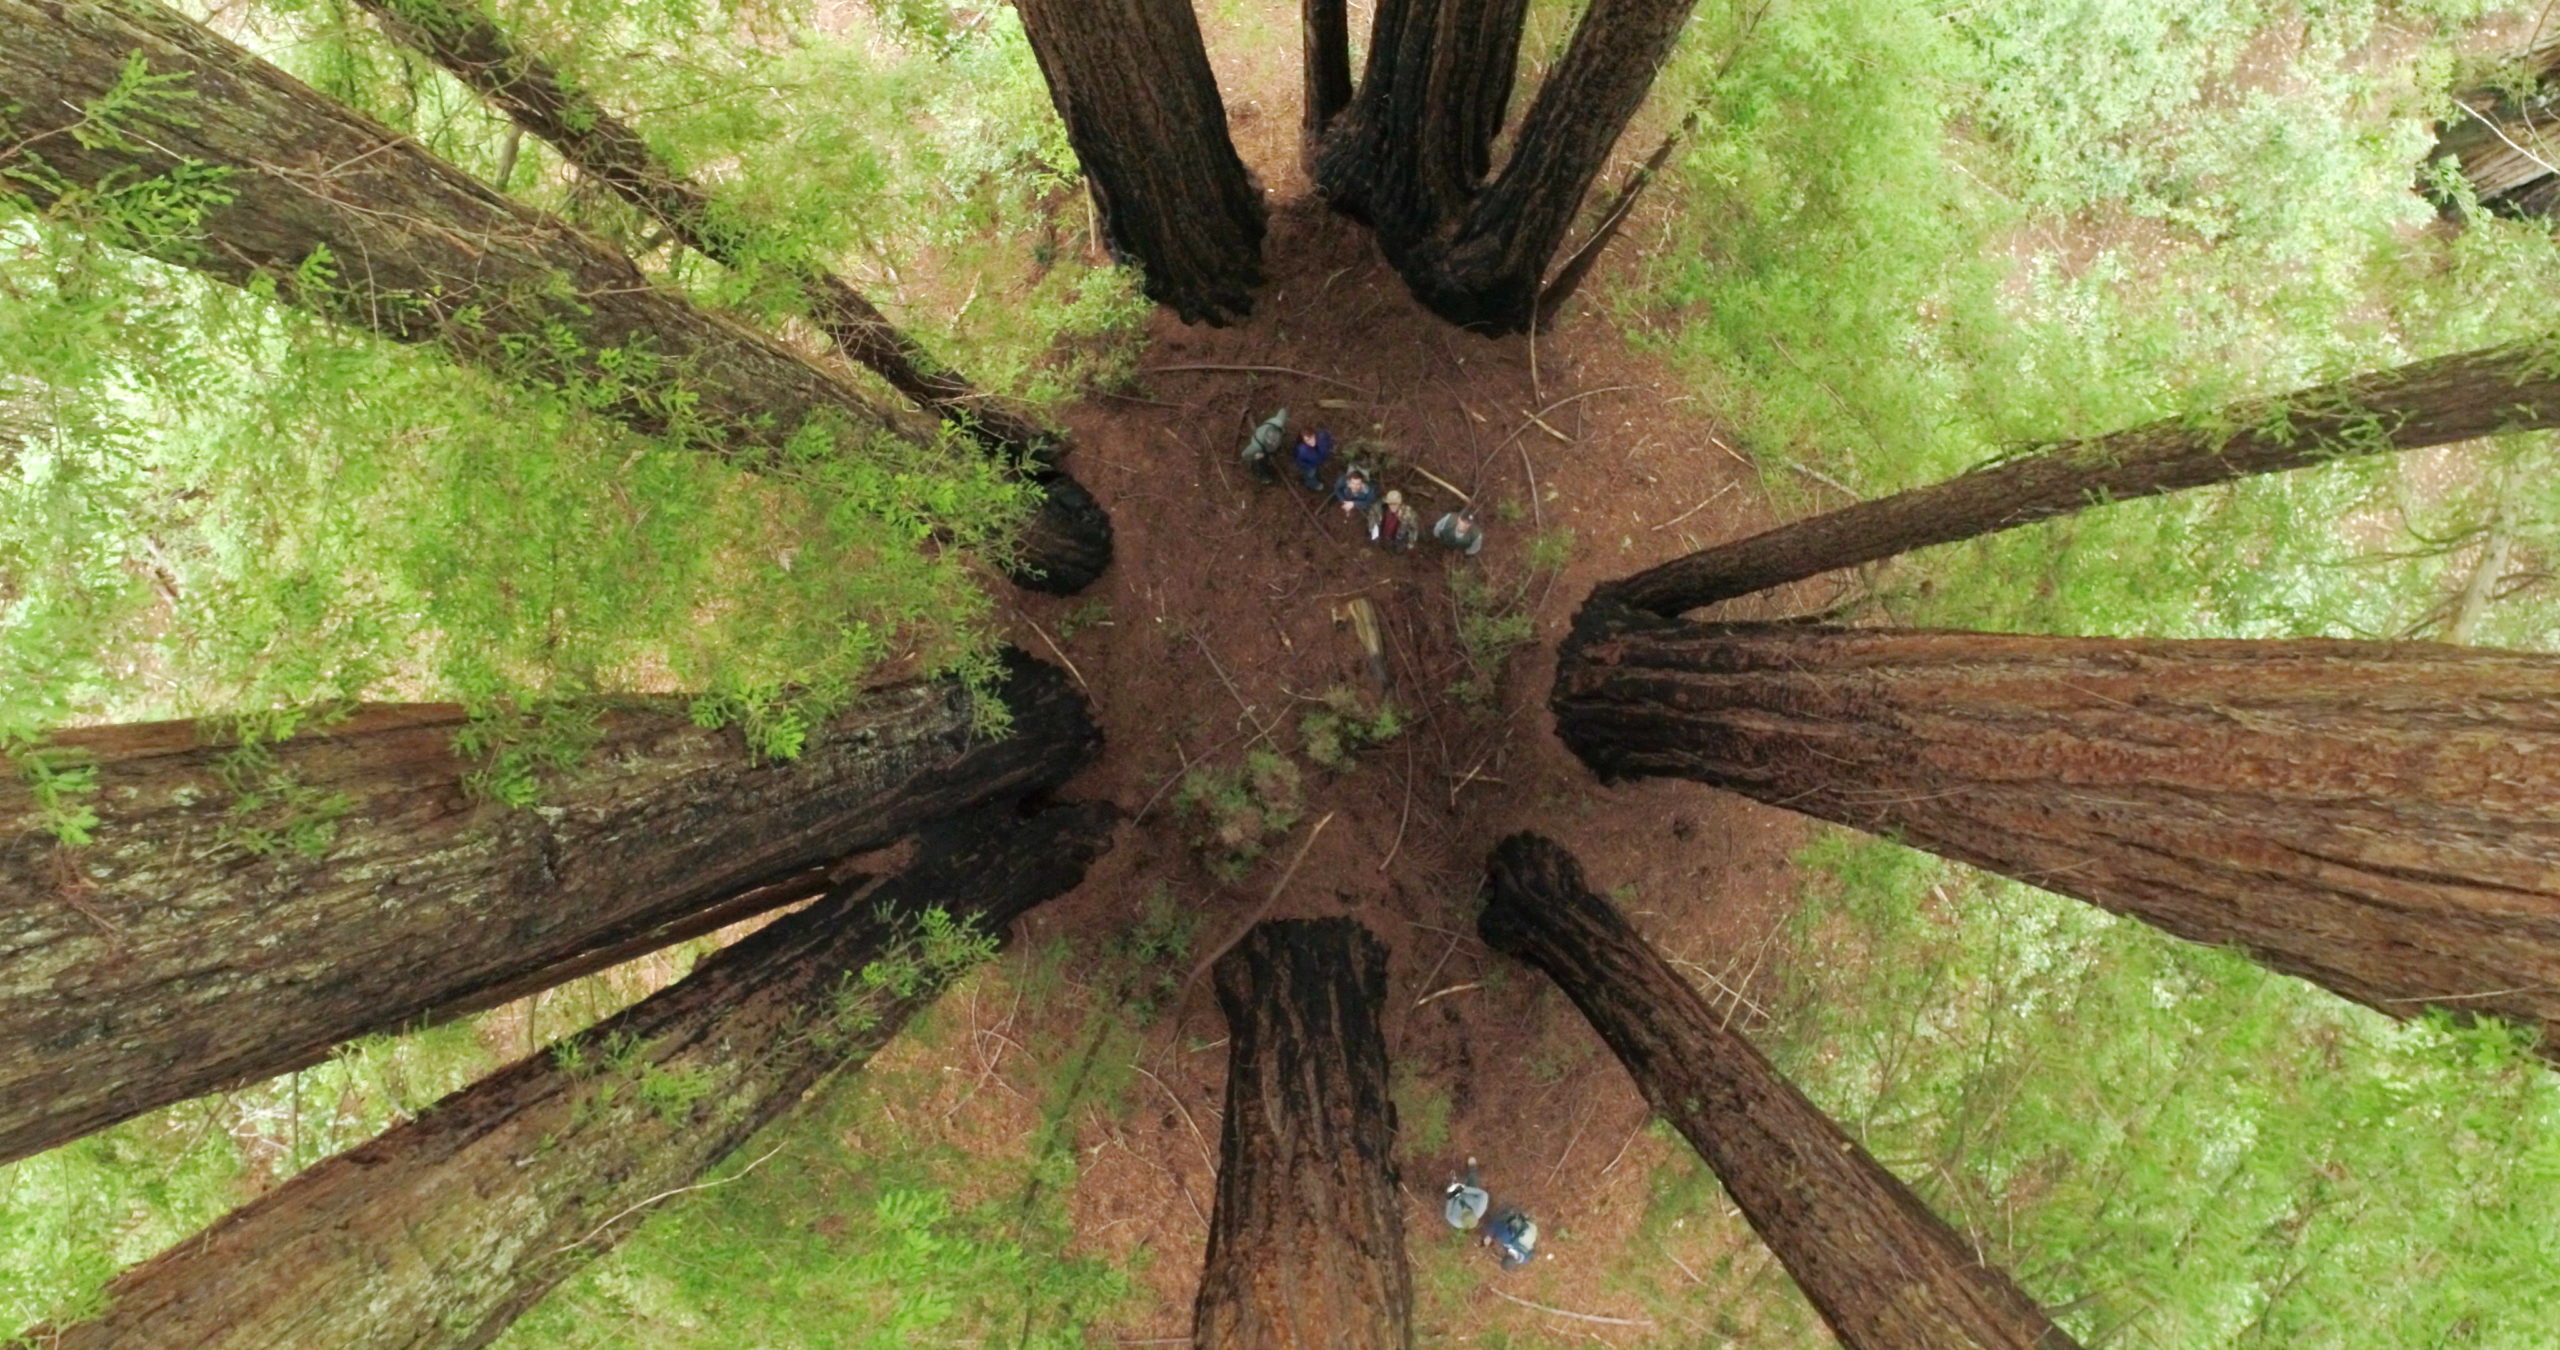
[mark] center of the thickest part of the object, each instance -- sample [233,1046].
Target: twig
[1407,814]
[1054,650]
[1558,1169]
[1256,370]
[1268,901]
[1443,482]
[1452,989]
[1622,1148]
[1710,501]
[1436,966]
[1196,1136]
[1232,691]
[1577,1316]
[697,1186]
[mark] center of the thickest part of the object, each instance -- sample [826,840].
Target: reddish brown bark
[2515,387]
[1132,82]
[1884,1271]
[2505,140]
[444,1230]
[1417,139]
[2380,818]
[1325,30]
[164,961]
[1306,1246]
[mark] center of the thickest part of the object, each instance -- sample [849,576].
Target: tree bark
[164,960]
[1883,1270]
[1306,1247]
[1132,82]
[2504,143]
[1486,276]
[1060,547]
[442,1231]
[1417,140]
[1325,32]
[2382,819]
[2515,387]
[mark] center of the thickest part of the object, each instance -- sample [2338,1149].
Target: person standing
[1354,490]
[1310,453]
[1260,449]
[1392,526]
[1513,1235]
[1458,532]
[1465,1201]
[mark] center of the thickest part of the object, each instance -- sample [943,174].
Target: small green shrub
[1346,725]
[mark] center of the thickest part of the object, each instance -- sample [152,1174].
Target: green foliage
[1422,1114]
[59,783]
[1347,724]
[1243,809]
[1493,622]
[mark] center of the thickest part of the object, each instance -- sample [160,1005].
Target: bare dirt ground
[1224,627]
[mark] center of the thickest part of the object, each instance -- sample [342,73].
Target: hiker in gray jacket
[1264,444]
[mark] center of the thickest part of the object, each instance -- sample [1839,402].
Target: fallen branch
[1577,1316]
[1254,370]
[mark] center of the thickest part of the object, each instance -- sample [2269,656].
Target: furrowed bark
[164,960]
[416,250]
[2382,819]
[1306,1246]
[2515,387]
[2504,143]
[1486,277]
[442,1231]
[1325,34]
[1408,154]
[1883,1270]
[1132,82]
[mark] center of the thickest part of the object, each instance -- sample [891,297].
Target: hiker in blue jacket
[1355,491]
[1310,453]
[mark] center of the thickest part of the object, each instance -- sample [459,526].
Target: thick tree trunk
[1132,82]
[1060,549]
[2505,143]
[1417,140]
[1306,1247]
[2515,387]
[1486,277]
[1880,1267]
[419,252]
[443,1230]
[164,960]
[2379,818]
[1325,33]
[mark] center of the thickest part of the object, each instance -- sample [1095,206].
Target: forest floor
[1222,625]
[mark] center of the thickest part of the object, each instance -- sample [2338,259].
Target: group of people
[1392,524]
[1509,1231]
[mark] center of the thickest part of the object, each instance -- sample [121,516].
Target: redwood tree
[2502,138]
[342,215]
[1306,1246]
[2380,818]
[1883,1270]
[2515,387]
[1132,82]
[1412,153]
[1070,544]
[167,959]
[442,1231]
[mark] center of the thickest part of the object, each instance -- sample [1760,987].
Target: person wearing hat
[1392,525]
[1458,532]
[1464,1202]
[1265,443]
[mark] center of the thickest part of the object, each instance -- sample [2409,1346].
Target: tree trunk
[164,960]
[2379,818]
[1417,140]
[443,1230]
[2515,387]
[1060,546]
[2505,143]
[1486,276]
[1132,82]
[1325,32]
[1883,1270]
[1306,1247]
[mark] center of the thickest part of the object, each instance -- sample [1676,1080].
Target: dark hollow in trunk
[2382,819]
[1410,151]
[420,252]
[1883,1270]
[2515,387]
[1061,545]
[1132,82]
[1306,1246]
[163,960]
[442,1231]
[1485,277]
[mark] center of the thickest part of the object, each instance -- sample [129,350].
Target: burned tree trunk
[1060,548]
[2515,387]
[2505,139]
[1417,140]
[1306,1246]
[1485,276]
[166,960]
[1325,30]
[345,217]
[2382,819]
[1132,82]
[444,1230]
[1883,1270]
